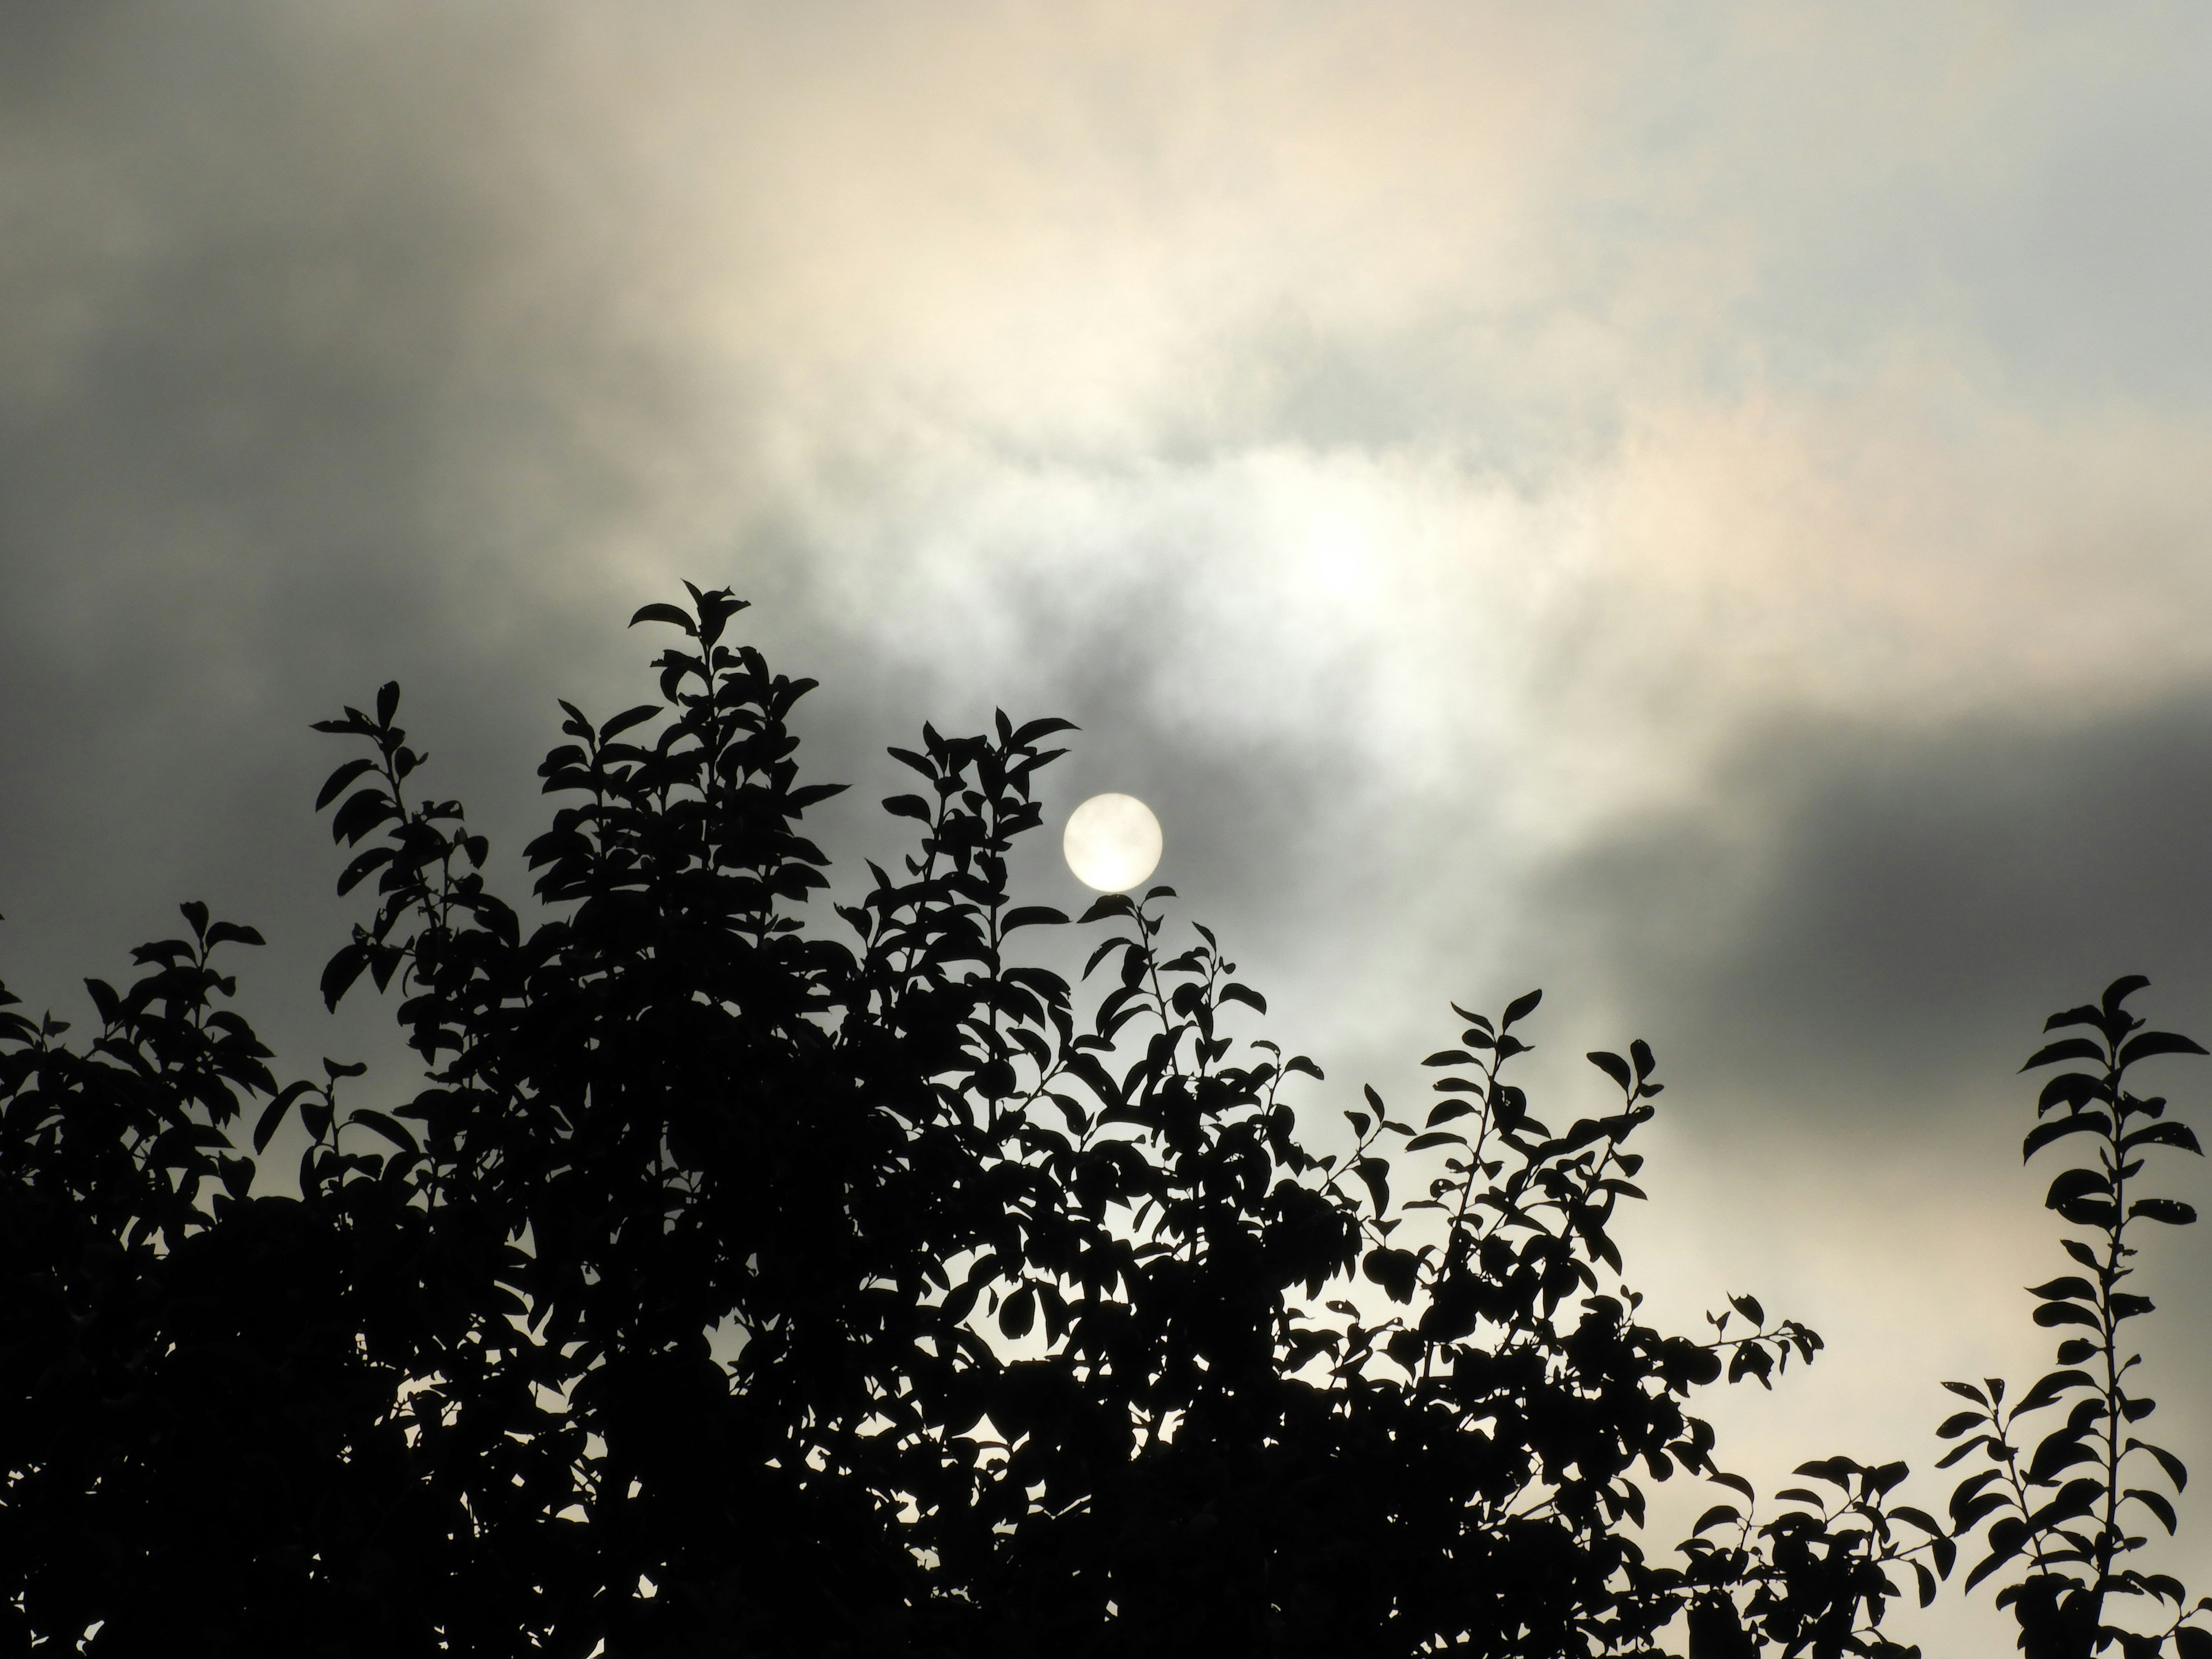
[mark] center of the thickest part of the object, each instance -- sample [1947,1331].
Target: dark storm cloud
[1871,918]
[295,397]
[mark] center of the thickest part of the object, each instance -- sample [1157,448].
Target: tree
[733,1284]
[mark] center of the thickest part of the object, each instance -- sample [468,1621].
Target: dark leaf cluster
[731,1284]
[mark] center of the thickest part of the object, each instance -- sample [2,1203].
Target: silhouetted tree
[733,1287]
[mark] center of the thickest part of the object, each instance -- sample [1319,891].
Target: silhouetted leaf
[2163,1134]
[338,780]
[1612,1065]
[627,719]
[664,613]
[2171,1211]
[2065,1048]
[2065,1313]
[2044,1134]
[2049,1388]
[2147,1044]
[2157,1505]
[391,1128]
[273,1115]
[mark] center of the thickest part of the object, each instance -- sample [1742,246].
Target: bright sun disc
[1113,842]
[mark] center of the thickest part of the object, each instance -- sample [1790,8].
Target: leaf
[627,718]
[664,613]
[1612,1066]
[387,701]
[908,806]
[2060,1450]
[1749,1308]
[1836,1471]
[2065,1048]
[1029,915]
[363,811]
[2072,1185]
[2145,1044]
[231,932]
[1715,1516]
[1520,1008]
[2176,1470]
[1398,1272]
[1375,1172]
[2157,1505]
[2163,1134]
[2192,1641]
[2065,1313]
[1736,1482]
[2015,1534]
[342,971]
[2069,1288]
[363,866]
[2171,1211]
[1245,994]
[1969,1391]
[1031,730]
[2073,1090]
[2121,989]
[390,1128]
[1962,1448]
[1920,1518]
[2050,1388]
[338,780]
[1449,1057]
[1952,1427]
[275,1114]
[2078,1123]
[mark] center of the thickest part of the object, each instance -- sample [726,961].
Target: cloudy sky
[1704,508]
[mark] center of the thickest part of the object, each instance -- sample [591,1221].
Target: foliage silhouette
[730,1287]
[2064,1516]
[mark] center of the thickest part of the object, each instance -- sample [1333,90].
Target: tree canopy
[745,1280]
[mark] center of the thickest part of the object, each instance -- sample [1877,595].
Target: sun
[1113,842]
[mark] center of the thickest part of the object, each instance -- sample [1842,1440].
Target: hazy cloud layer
[1705,507]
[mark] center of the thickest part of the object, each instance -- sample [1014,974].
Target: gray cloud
[1873,917]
